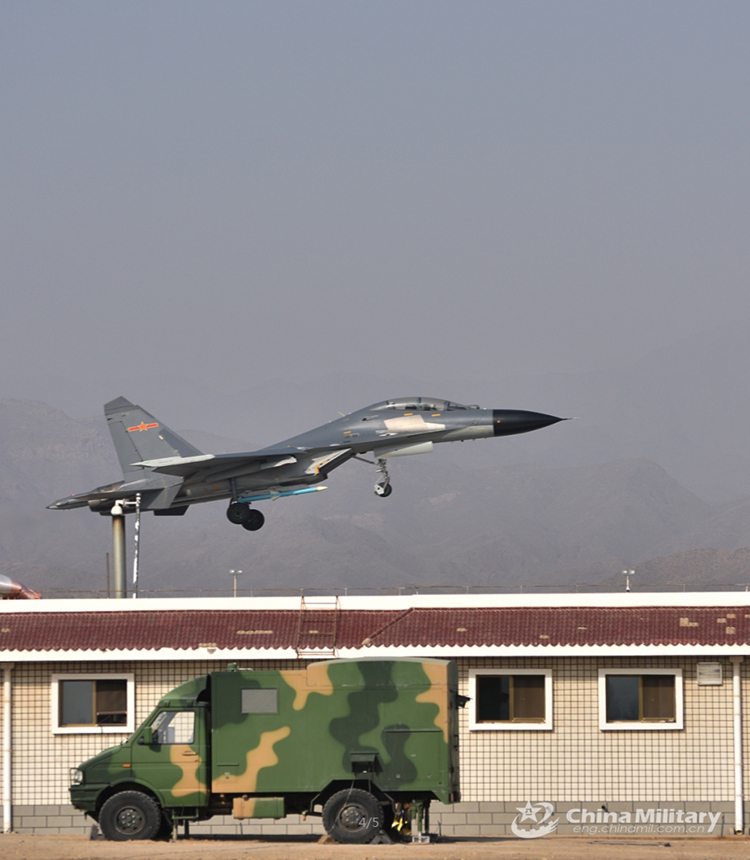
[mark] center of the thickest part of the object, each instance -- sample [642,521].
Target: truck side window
[174,727]
[257,701]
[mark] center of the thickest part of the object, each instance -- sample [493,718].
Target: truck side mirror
[147,736]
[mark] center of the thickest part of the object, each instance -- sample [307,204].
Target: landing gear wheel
[238,513]
[353,816]
[130,815]
[383,490]
[254,521]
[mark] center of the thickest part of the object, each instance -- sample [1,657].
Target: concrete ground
[30,847]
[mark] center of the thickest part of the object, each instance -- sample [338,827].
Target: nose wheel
[383,487]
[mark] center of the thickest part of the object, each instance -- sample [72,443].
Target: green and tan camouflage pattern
[258,807]
[392,723]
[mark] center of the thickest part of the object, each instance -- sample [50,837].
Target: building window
[637,699]
[510,699]
[86,704]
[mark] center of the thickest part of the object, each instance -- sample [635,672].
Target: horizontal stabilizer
[67,504]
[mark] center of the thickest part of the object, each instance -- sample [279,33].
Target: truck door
[174,763]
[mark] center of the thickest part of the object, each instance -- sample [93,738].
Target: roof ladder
[317,627]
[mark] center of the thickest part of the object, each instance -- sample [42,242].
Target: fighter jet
[165,474]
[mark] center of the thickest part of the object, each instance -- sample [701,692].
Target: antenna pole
[136,543]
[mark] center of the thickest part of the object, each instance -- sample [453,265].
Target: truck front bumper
[84,797]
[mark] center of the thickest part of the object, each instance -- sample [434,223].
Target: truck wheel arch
[353,816]
[119,787]
[130,815]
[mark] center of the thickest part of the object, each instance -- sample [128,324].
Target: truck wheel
[130,815]
[353,816]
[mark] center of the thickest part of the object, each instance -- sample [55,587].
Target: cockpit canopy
[420,404]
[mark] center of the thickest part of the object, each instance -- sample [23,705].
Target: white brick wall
[499,770]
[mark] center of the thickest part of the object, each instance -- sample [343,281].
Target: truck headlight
[76,776]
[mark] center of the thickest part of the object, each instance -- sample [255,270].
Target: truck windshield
[174,727]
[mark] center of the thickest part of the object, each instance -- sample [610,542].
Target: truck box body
[265,743]
[297,731]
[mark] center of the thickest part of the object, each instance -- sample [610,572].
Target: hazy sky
[238,191]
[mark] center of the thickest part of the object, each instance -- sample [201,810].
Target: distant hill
[695,569]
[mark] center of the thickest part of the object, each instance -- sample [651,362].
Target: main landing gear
[243,515]
[383,487]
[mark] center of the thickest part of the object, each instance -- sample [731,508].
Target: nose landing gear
[383,488]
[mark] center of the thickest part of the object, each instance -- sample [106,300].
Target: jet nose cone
[506,422]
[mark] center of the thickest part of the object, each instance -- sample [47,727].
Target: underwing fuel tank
[421,448]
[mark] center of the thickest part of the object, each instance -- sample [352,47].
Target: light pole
[235,574]
[627,574]
[118,549]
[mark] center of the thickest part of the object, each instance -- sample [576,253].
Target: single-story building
[588,713]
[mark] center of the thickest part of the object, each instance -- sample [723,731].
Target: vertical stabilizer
[138,436]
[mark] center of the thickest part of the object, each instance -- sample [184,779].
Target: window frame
[545,725]
[642,725]
[128,727]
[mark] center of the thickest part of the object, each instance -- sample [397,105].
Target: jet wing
[81,500]
[217,467]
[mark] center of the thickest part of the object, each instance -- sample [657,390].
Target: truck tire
[353,816]
[130,815]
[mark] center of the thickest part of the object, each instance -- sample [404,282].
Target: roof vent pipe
[12,590]
[739,795]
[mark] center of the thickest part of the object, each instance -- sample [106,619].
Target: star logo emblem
[529,812]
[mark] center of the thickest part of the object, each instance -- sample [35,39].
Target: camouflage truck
[366,744]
